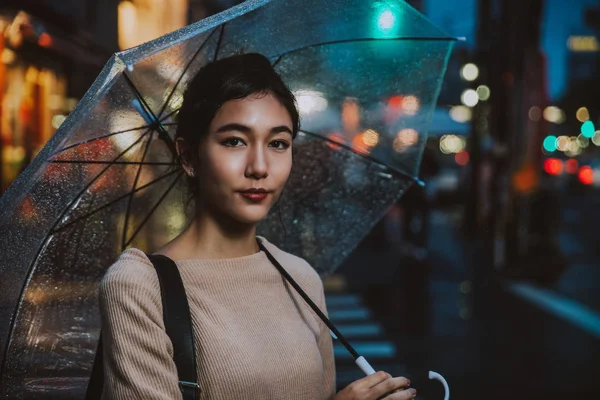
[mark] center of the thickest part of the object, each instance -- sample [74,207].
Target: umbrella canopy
[366,75]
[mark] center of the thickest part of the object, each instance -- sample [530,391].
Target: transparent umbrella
[366,75]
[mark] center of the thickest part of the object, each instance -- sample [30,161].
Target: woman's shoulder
[298,267]
[132,267]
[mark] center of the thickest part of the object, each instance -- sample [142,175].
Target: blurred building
[50,52]
[582,58]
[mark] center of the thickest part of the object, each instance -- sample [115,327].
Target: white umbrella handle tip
[364,365]
[438,377]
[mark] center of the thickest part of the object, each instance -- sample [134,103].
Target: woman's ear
[183,153]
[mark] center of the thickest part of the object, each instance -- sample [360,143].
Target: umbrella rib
[110,162]
[162,133]
[185,70]
[135,181]
[219,42]
[113,202]
[342,41]
[366,156]
[277,61]
[94,180]
[98,138]
[153,209]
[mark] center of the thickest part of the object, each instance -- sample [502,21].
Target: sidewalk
[452,315]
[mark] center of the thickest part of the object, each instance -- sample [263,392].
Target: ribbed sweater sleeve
[138,355]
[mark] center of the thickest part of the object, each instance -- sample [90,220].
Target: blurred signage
[583,44]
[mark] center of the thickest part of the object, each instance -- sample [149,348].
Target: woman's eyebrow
[234,127]
[281,128]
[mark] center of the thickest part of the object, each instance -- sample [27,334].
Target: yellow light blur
[371,137]
[57,121]
[461,114]
[554,114]
[469,98]
[535,113]
[596,138]
[583,44]
[404,139]
[582,141]
[7,57]
[582,114]
[483,92]
[127,12]
[452,144]
[469,72]
[410,105]
[562,143]
[144,20]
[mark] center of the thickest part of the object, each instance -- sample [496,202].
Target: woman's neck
[209,238]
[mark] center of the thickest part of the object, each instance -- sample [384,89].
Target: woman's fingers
[407,394]
[390,385]
[373,380]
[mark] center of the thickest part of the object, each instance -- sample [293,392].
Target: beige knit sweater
[255,336]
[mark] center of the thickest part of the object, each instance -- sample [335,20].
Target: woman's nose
[257,164]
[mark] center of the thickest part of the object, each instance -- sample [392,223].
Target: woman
[255,337]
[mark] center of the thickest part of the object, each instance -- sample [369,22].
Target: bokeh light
[410,105]
[553,166]
[483,92]
[462,158]
[562,143]
[452,144]
[469,72]
[582,141]
[571,166]
[582,114]
[350,115]
[404,139]
[535,113]
[310,101]
[469,98]
[586,175]
[550,143]
[596,138]
[461,114]
[371,137]
[554,114]
[588,129]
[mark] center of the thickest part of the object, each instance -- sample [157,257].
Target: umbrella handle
[438,377]
[364,365]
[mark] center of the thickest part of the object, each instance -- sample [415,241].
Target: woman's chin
[251,217]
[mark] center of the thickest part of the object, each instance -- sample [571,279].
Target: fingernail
[414,392]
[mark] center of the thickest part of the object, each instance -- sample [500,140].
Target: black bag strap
[178,325]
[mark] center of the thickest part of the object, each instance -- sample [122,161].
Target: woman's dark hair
[232,78]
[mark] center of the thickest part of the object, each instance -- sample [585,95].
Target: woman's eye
[233,142]
[280,144]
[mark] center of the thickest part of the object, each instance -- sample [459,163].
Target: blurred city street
[492,338]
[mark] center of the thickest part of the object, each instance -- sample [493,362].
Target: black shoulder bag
[178,325]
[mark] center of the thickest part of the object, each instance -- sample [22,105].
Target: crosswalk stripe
[358,313]
[382,349]
[343,300]
[360,330]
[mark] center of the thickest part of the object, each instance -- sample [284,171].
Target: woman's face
[248,146]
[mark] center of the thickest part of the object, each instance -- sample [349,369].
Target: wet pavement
[491,338]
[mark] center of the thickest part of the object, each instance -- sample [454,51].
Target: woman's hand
[379,386]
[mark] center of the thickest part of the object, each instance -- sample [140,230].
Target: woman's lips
[255,197]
